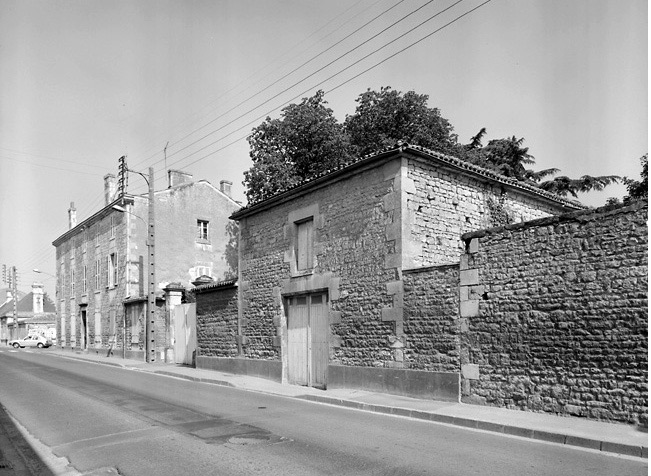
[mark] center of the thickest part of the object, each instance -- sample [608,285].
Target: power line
[47,166]
[412,44]
[334,75]
[51,158]
[309,89]
[286,53]
[296,69]
[261,91]
[323,81]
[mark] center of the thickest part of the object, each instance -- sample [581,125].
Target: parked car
[31,341]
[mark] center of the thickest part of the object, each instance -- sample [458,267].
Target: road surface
[142,423]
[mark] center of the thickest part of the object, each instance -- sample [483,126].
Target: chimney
[72,216]
[10,295]
[225,187]
[110,187]
[37,298]
[178,177]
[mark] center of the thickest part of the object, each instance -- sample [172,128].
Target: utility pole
[150,330]
[150,321]
[14,291]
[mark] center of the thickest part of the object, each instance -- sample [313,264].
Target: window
[112,226]
[112,270]
[98,267]
[304,240]
[202,230]
[62,275]
[84,285]
[203,271]
[97,235]
[72,280]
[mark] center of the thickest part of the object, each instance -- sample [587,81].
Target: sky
[179,84]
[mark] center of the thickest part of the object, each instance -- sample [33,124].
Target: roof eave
[82,225]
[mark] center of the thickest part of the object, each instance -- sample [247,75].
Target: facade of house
[102,262]
[323,269]
[35,312]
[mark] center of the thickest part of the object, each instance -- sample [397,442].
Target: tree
[638,189]
[307,140]
[508,157]
[385,117]
[566,186]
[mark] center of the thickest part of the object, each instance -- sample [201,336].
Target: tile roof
[429,154]
[25,305]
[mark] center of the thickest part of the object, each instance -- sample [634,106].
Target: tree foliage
[566,186]
[305,141]
[385,117]
[508,157]
[638,189]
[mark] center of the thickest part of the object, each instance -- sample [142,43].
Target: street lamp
[43,272]
[150,322]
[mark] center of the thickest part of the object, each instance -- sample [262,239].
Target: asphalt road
[142,423]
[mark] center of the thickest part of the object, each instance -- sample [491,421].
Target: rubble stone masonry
[352,261]
[554,315]
[432,318]
[442,204]
[217,321]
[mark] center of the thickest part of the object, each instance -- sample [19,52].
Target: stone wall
[442,204]
[431,318]
[217,321]
[555,312]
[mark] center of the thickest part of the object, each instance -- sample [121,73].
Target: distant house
[36,314]
[102,262]
[320,299]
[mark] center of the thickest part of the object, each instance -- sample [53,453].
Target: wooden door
[319,331]
[307,340]
[297,341]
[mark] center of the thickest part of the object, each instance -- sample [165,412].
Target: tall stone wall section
[555,314]
[217,322]
[442,204]
[431,318]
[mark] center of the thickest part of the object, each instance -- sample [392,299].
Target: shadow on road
[17,456]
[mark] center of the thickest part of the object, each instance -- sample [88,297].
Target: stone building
[35,312]
[323,269]
[102,281]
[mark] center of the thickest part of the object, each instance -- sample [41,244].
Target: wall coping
[204,288]
[592,214]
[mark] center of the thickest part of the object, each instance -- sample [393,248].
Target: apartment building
[102,261]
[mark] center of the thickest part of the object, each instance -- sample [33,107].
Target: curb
[550,437]
[223,383]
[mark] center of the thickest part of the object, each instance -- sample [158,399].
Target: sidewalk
[595,435]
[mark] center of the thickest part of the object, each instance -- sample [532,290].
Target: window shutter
[304,245]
